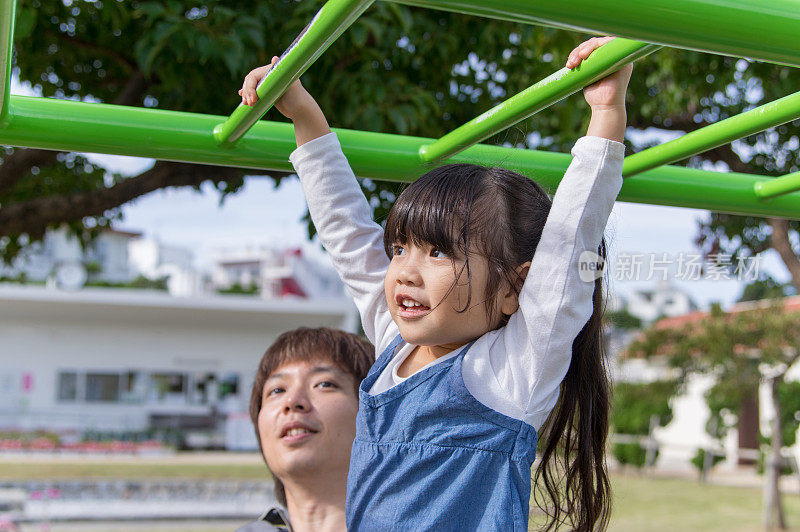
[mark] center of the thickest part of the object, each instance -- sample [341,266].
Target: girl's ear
[510,295]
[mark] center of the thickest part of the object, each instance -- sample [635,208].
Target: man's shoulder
[274,519]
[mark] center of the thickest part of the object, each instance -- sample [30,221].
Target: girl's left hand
[609,92]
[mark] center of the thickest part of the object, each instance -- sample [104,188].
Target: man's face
[307,420]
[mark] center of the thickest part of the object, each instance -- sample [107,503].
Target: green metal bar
[763,117]
[8,9]
[170,135]
[541,95]
[766,30]
[330,21]
[777,187]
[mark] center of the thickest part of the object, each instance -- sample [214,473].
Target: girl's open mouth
[410,308]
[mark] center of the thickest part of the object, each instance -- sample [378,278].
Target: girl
[485,347]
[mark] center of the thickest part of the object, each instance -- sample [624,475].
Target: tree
[741,349]
[398,69]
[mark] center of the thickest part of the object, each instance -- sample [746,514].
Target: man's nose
[296,400]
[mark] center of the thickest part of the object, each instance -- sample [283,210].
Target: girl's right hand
[294,101]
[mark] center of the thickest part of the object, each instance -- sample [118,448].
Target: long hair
[464,209]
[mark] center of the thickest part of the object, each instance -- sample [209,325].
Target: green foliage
[622,319]
[766,288]
[789,400]
[630,454]
[634,404]
[140,282]
[398,69]
[236,288]
[632,407]
[699,458]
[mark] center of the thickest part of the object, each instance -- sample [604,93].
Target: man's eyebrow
[316,369]
[326,369]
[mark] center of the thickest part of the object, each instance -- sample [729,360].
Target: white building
[687,430]
[121,360]
[59,257]
[155,260]
[663,300]
[276,273]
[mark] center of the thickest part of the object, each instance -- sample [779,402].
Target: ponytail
[572,469]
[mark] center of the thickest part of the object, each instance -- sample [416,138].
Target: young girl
[485,347]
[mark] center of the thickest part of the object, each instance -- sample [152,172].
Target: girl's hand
[609,92]
[293,102]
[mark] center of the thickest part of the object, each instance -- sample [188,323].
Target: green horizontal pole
[330,21]
[725,131]
[777,187]
[766,30]
[88,127]
[541,95]
[7,13]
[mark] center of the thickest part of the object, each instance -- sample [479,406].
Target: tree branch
[126,63]
[34,216]
[780,243]
[20,163]
[17,165]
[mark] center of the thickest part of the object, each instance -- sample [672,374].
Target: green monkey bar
[7,15]
[735,27]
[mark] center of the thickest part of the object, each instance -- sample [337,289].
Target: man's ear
[510,299]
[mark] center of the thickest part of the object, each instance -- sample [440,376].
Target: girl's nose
[409,275]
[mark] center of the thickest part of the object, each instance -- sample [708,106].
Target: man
[303,407]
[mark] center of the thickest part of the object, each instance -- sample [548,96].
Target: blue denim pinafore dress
[429,456]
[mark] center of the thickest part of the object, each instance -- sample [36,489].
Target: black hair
[463,209]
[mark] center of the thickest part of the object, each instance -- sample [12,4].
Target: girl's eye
[397,250]
[438,254]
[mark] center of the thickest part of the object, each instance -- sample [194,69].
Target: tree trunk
[748,428]
[773,508]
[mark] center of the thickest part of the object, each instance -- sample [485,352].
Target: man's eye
[327,384]
[398,250]
[274,391]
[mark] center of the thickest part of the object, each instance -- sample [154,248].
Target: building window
[168,388]
[102,387]
[67,386]
[134,385]
[229,385]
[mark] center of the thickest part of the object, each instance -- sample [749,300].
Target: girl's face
[426,290]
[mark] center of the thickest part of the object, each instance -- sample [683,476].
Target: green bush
[700,456]
[631,454]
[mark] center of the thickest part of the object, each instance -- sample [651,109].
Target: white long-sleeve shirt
[517,369]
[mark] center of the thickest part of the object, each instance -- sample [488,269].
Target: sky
[262,215]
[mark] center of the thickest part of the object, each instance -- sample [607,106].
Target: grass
[640,503]
[92,469]
[661,505]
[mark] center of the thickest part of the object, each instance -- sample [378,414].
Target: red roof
[790,304]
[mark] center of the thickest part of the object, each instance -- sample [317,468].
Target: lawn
[148,468]
[640,503]
[657,505]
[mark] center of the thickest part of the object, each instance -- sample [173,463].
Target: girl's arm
[338,208]
[556,302]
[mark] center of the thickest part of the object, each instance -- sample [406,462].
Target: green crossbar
[8,9]
[736,27]
[541,95]
[725,131]
[777,187]
[329,22]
